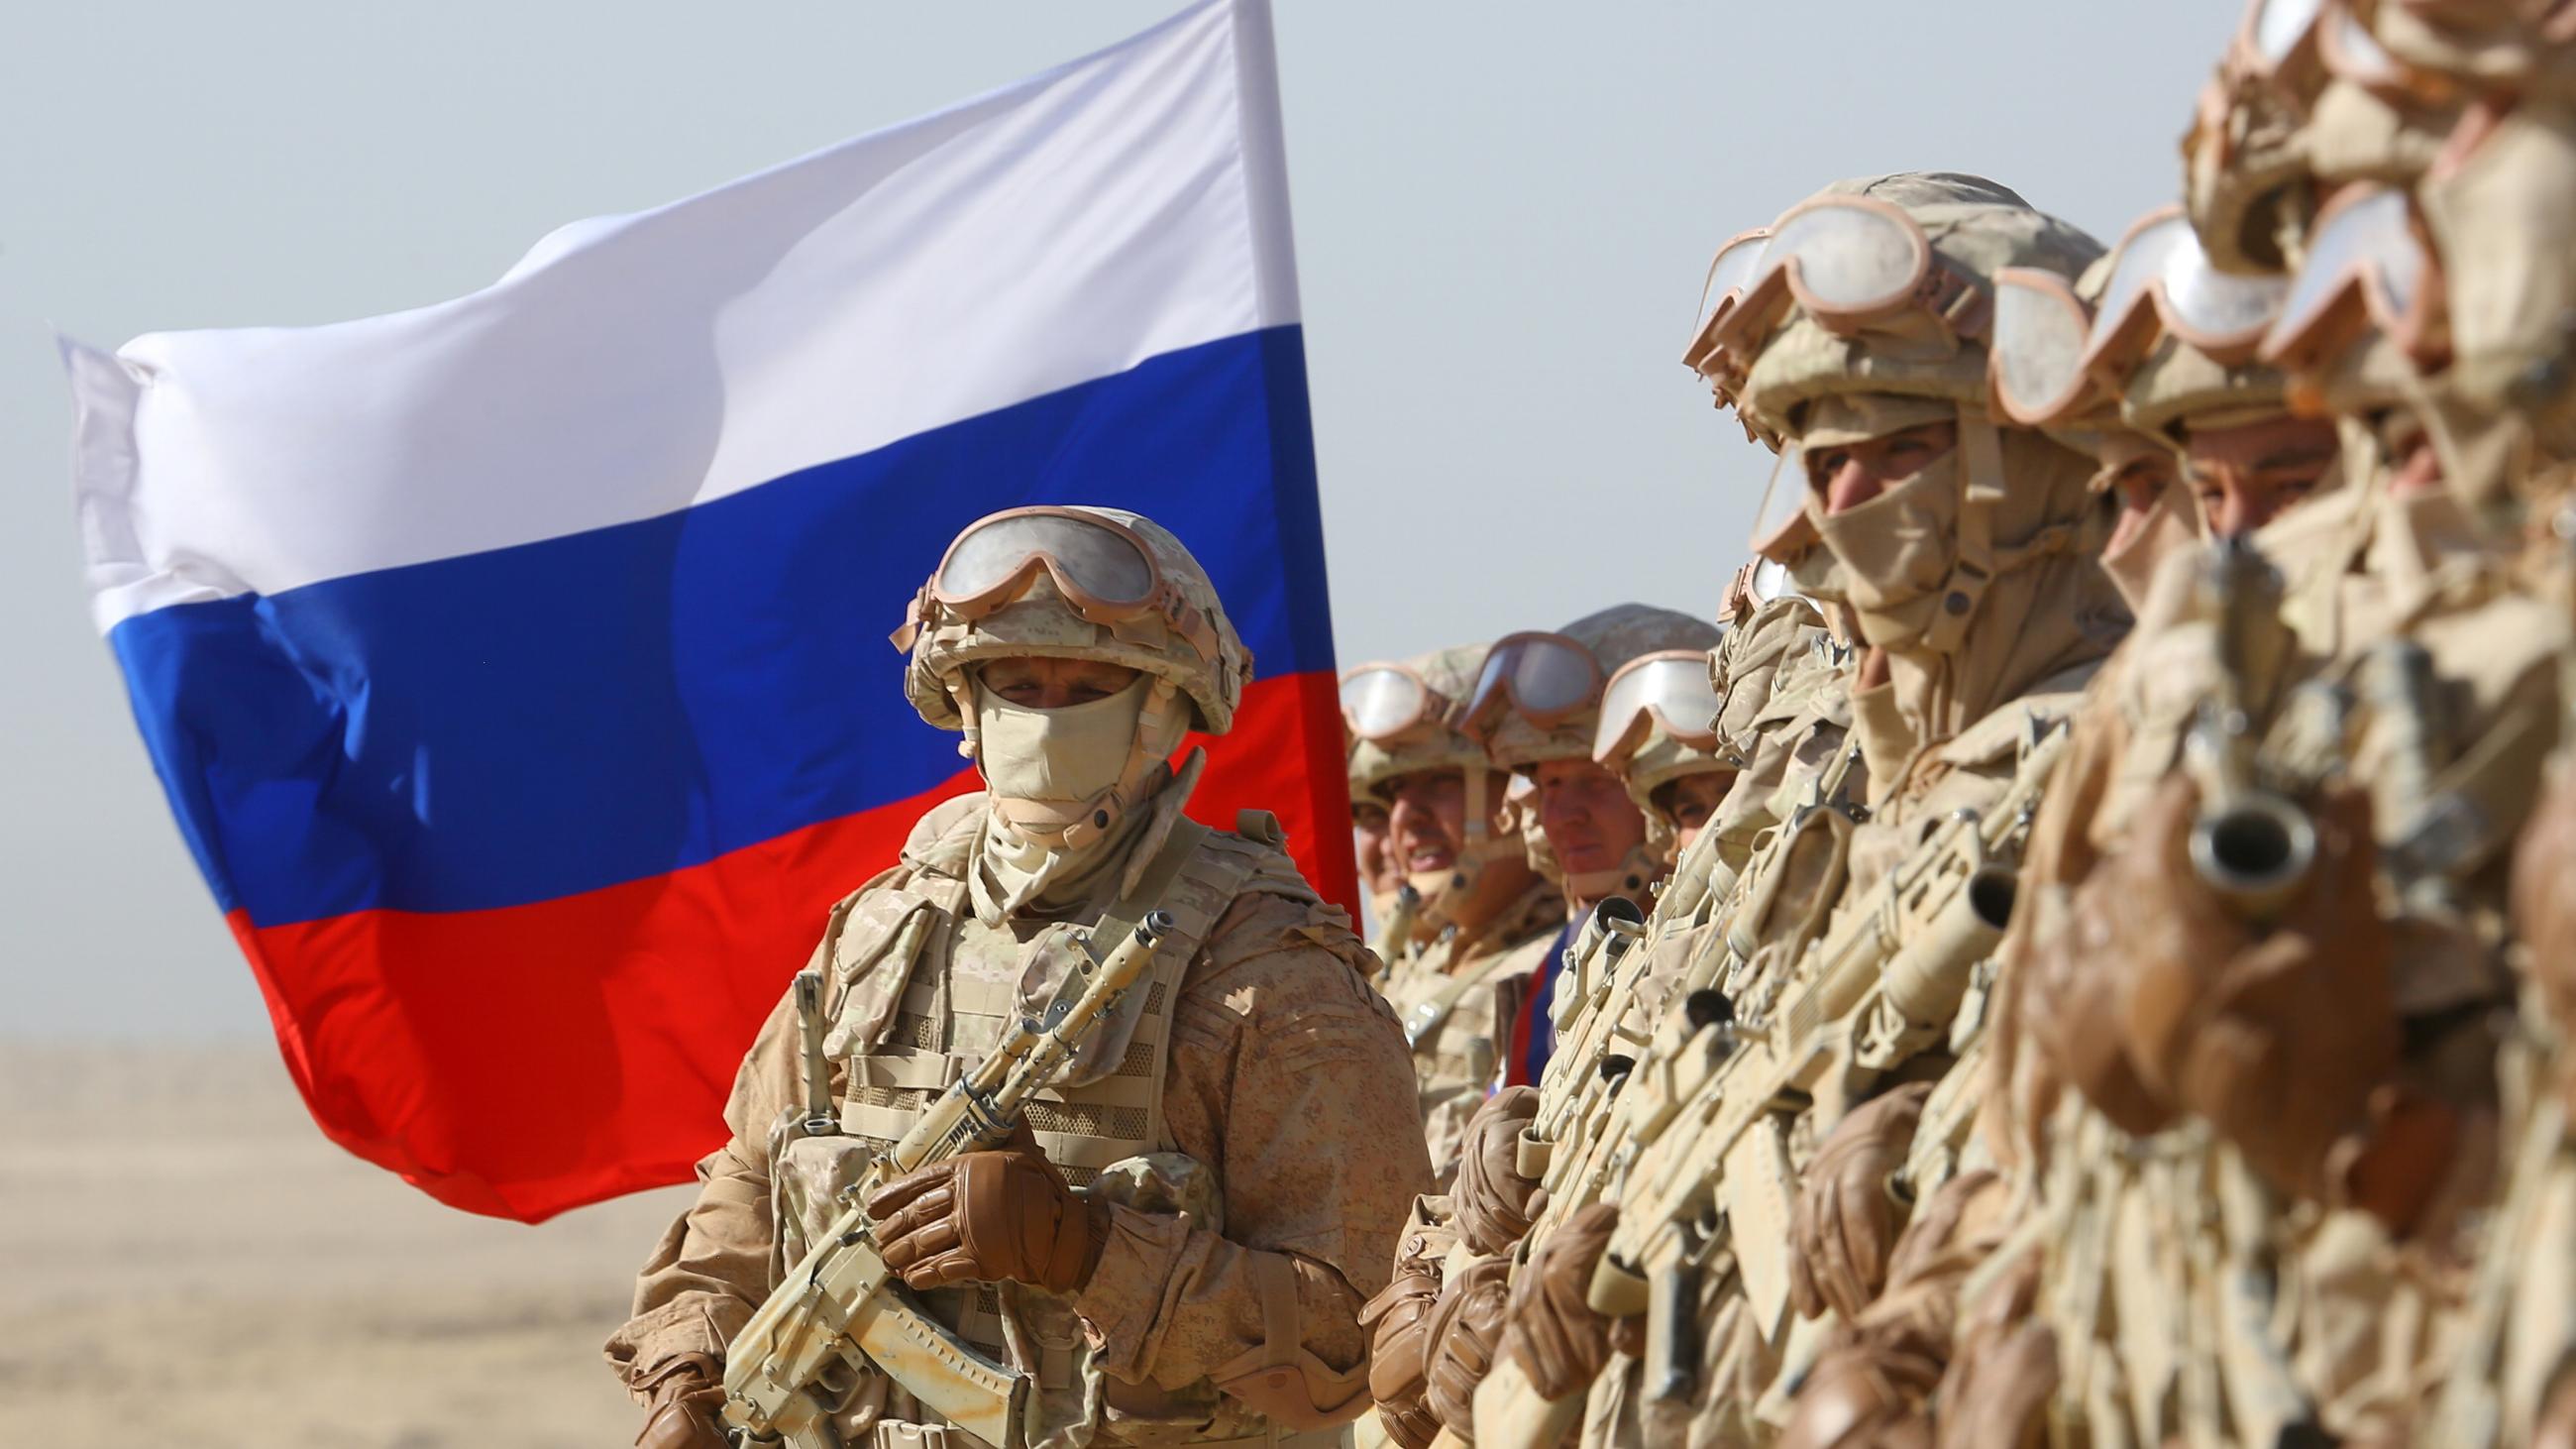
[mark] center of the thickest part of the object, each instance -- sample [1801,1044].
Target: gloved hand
[683,1396]
[1557,1337]
[1872,1392]
[1846,1219]
[989,1217]
[2069,1010]
[2003,1369]
[1465,1325]
[2276,1035]
[1398,1323]
[1493,1202]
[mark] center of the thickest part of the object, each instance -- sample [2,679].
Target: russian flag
[517,666]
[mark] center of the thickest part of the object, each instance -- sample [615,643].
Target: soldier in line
[2291,1074]
[1178,1249]
[1536,710]
[1487,915]
[1381,879]
[1937,519]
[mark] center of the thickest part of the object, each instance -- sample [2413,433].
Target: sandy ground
[184,1260]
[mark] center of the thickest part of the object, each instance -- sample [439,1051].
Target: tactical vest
[1455,1027]
[918,989]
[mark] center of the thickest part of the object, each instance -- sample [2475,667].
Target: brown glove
[2003,1369]
[1557,1337]
[1465,1325]
[1873,1392]
[2277,1035]
[682,1397]
[988,1217]
[1493,1202]
[1398,1323]
[2070,1008]
[1847,1218]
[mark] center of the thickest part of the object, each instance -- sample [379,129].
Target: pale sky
[1503,211]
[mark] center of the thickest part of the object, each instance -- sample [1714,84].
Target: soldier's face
[1428,826]
[1845,477]
[1589,820]
[1690,802]
[1378,870]
[2245,476]
[1055,683]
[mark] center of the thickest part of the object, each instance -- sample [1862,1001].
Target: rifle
[840,1307]
[1397,929]
[1707,1161]
[2251,846]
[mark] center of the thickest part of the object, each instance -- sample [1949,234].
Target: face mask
[2131,561]
[1897,550]
[1058,775]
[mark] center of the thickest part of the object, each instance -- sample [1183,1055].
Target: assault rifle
[840,1308]
[1705,1162]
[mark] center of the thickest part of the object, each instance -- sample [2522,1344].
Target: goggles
[1104,570]
[1729,272]
[2367,266]
[1847,260]
[1667,689]
[1544,678]
[2047,346]
[1382,701]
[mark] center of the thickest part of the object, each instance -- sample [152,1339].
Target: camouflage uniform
[1457,991]
[1243,1117]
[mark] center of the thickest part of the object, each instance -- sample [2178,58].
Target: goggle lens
[1849,258]
[2369,245]
[2038,349]
[1382,702]
[1097,560]
[1544,676]
[1674,687]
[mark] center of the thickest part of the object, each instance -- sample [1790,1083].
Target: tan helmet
[1029,605]
[1659,724]
[1928,351]
[1403,717]
[1406,719]
[1072,583]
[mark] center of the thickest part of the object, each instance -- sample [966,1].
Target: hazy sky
[1502,212]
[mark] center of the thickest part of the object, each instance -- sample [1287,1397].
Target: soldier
[1965,552]
[1536,709]
[2296,1062]
[1073,647]
[1380,877]
[1489,915]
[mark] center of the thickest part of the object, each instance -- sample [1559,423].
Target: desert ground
[189,1262]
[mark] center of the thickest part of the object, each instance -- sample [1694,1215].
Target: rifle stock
[840,1300]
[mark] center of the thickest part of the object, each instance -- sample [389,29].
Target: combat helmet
[1405,718]
[1658,724]
[1538,699]
[1076,583]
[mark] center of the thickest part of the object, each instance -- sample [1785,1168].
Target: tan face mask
[2132,556]
[1896,552]
[1063,776]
